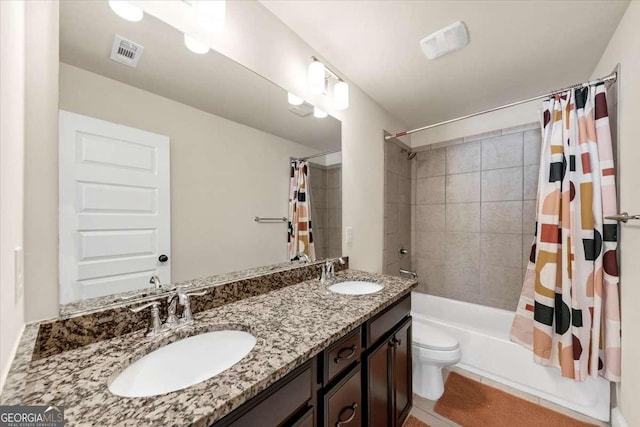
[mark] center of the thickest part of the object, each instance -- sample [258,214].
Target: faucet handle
[156,324]
[153,304]
[182,292]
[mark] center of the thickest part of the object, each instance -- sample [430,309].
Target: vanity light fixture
[318,77]
[294,99]
[211,15]
[194,45]
[318,113]
[341,95]
[126,10]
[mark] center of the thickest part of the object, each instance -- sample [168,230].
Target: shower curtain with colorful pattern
[300,236]
[568,313]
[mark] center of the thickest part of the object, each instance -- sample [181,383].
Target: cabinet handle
[395,341]
[344,356]
[350,418]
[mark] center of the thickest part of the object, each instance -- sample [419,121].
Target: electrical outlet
[349,235]
[18,258]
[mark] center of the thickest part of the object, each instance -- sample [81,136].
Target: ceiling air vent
[302,110]
[125,51]
[446,40]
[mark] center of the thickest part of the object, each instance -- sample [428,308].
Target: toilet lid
[430,337]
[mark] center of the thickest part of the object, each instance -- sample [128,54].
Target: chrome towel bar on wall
[267,219]
[623,217]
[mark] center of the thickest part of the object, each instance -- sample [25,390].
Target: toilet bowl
[432,350]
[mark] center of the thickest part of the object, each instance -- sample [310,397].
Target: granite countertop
[291,325]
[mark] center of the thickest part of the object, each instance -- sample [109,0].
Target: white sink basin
[356,288]
[183,363]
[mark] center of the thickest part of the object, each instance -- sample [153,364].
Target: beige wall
[12,67]
[41,169]
[222,174]
[624,48]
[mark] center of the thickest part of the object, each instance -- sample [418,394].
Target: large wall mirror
[165,165]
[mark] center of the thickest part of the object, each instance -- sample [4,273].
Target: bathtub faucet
[410,273]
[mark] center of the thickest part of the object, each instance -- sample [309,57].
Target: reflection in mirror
[166,158]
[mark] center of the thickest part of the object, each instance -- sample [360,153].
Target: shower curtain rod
[610,78]
[318,155]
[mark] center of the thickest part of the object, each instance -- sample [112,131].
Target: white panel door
[114,207]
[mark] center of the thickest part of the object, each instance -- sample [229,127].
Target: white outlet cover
[349,235]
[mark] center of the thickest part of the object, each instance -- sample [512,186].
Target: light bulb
[316,77]
[126,10]
[341,95]
[211,15]
[294,99]
[195,45]
[318,113]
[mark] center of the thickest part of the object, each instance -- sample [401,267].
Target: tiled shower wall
[326,209]
[397,209]
[473,202]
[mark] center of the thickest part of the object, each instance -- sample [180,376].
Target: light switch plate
[18,256]
[349,235]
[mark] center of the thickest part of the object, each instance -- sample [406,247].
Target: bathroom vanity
[362,379]
[320,357]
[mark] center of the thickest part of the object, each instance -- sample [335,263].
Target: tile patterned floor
[423,408]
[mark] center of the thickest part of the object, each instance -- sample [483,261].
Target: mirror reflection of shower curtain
[300,235]
[569,313]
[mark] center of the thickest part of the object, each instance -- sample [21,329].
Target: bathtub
[483,334]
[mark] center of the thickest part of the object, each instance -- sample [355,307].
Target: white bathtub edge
[474,336]
[617,419]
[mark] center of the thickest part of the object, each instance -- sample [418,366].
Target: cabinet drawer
[341,355]
[342,404]
[385,321]
[278,403]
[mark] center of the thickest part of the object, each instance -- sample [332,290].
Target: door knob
[163,258]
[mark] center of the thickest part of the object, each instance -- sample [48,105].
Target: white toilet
[432,350]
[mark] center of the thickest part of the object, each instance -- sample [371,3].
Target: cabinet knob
[163,258]
[342,418]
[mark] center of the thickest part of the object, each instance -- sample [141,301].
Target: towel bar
[267,219]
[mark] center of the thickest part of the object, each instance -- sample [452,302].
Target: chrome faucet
[157,284]
[409,272]
[172,319]
[327,270]
[179,296]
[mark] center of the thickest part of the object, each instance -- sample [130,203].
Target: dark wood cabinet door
[378,386]
[306,419]
[402,373]
[342,404]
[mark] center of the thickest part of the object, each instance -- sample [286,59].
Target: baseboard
[617,420]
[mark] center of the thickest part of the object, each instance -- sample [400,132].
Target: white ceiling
[518,49]
[211,82]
